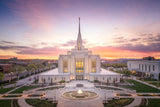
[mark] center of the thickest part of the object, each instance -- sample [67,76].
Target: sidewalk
[136,102]
[22,103]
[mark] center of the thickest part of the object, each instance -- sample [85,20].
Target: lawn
[107,88]
[118,102]
[153,102]
[5,103]
[20,90]
[4,90]
[139,87]
[51,88]
[40,103]
[157,84]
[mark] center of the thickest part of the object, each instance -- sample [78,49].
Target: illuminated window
[79,64]
[93,70]
[94,63]
[65,70]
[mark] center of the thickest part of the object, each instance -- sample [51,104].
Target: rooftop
[55,72]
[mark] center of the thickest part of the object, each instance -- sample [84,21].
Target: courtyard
[52,95]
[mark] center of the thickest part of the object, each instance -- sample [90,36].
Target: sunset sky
[111,28]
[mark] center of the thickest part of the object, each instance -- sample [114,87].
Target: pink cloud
[33,13]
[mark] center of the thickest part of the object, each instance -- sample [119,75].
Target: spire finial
[79,39]
[79,26]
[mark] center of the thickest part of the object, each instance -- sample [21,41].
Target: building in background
[5,68]
[148,67]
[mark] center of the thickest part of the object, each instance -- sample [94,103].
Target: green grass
[148,95]
[119,102]
[157,84]
[5,103]
[153,102]
[51,88]
[139,87]
[4,90]
[20,90]
[35,95]
[40,103]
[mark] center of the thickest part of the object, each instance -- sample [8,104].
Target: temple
[79,64]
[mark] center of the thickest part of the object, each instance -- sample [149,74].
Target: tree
[40,66]
[1,76]
[49,66]
[31,68]
[11,71]
[19,69]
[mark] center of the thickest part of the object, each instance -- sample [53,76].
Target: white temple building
[79,64]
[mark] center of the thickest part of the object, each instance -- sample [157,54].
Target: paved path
[80,103]
[13,89]
[136,102]
[22,103]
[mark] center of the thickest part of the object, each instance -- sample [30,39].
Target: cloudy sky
[111,28]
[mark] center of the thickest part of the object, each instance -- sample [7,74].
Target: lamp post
[105,98]
[11,76]
[54,98]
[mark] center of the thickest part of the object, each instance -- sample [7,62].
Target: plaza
[54,93]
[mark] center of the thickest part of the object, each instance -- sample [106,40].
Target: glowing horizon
[110,28]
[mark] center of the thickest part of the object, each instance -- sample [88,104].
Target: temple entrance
[79,77]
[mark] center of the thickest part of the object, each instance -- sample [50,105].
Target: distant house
[5,67]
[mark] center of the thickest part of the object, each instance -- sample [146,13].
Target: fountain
[79,91]
[79,95]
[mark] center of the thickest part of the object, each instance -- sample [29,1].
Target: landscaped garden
[140,87]
[119,102]
[40,103]
[51,88]
[4,90]
[5,103]
[12,96]
[20,90]
[155,83]
[35,95]
[149,95]
[151,103]
[107,88]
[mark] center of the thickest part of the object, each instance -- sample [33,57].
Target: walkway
[136,102]
[80,103]
[22,103]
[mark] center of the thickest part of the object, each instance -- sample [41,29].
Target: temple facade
[79,64]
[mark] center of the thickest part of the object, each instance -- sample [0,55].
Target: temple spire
[79,39]
[79,27]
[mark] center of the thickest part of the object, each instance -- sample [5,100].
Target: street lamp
[11,76]
[105,98]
